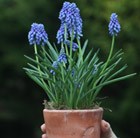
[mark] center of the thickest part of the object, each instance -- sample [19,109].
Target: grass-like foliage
[75,84]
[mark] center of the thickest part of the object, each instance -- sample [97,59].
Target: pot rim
[74,110]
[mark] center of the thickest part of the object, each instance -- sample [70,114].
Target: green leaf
[84,47]
[116,80]
[53,53]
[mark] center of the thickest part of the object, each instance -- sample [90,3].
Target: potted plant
[72,77]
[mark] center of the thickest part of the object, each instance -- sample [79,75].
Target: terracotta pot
[73,123]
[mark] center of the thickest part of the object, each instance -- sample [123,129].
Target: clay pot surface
[73,123]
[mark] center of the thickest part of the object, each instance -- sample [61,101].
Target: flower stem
[105,66]
[71,43]
[65,38]
[110,54]
[35,49]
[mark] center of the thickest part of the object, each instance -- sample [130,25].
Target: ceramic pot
[73,123]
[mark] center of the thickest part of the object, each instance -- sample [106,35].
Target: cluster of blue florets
[114,25]
[62,58]
[71,22]
[37,35]
[54,65]
[74,45]
[61,34]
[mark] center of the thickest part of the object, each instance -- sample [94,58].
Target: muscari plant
[71,77]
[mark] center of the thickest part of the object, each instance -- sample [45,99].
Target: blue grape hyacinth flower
[74,45]
[114,25]
[70,17]
[62,58]
[37,35]
[54,65]
[60,34]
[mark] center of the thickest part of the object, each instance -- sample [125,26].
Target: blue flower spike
[60,34]
[55,65]
[70,18]
[74,45]
[37,35]
[114,25]
[62,57]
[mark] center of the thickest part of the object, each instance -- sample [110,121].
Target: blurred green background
[21,99]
